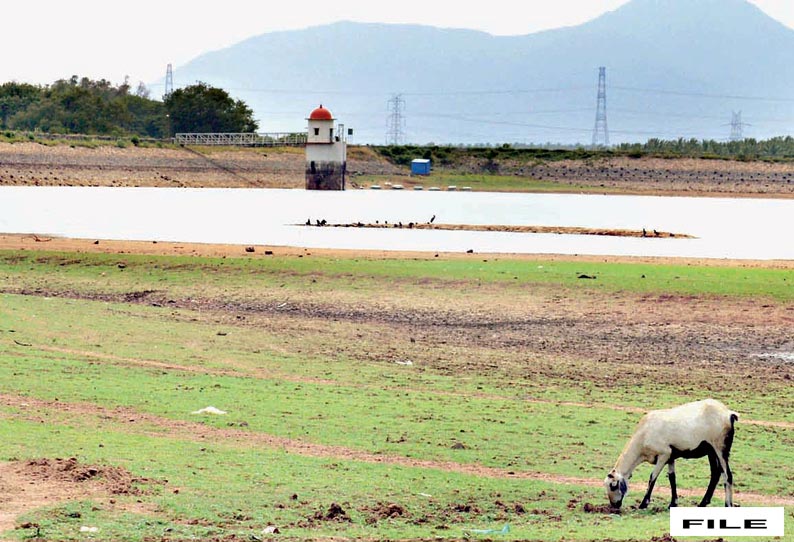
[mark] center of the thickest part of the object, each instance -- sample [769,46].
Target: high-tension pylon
[169,81]
[395,124]
[600,131]
[737,126]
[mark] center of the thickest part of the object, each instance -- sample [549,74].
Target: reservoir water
[724,228]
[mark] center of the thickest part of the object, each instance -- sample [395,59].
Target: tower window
[316,131]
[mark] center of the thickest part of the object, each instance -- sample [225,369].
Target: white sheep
[701,428]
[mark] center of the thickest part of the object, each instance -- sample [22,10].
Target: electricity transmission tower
[737,126]
[395,124]
[169,81]
[600,131]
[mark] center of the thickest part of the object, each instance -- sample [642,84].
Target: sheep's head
[617,487]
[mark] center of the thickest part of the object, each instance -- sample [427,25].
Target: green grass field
[484,183]
[341,389]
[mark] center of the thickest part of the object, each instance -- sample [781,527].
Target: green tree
[85,106]
[202,108]
[779,148]
[16,97]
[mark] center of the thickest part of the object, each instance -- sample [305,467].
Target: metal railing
[272,139]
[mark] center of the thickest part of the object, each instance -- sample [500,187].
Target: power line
[493,91]
[662,114]
[395,133]
[453,92]
[524,112]
[503,122]
[463,92]
[556,128]
[701,94]
[756,120]
[304,92]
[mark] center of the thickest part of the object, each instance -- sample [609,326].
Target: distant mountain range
[675,68]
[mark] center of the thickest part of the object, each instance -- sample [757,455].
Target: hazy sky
[47,40]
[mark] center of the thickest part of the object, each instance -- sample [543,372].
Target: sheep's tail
[726,451]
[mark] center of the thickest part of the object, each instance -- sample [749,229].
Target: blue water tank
[420,166]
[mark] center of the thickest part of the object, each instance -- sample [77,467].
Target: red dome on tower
[321,113]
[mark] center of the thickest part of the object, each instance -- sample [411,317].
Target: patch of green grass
[225,489]
[485,182]
[344,411]
[506,183]
[393,421]
[455,156]
[96,270]
[160,337]
[351,423]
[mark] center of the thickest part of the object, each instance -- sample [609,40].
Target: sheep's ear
[624,487]
[610,475]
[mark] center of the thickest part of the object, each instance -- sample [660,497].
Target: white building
[326,152]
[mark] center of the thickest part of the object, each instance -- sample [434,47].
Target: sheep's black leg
[671,477]
[716,472]
[660,463]
[728,483]
[726,452]
[647,498]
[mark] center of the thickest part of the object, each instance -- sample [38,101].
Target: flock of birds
[324,222]
[645,233]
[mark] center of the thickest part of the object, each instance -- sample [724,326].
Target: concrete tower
[326,152]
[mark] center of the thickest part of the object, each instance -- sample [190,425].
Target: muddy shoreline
[37,242]
[34,164]
[569,230]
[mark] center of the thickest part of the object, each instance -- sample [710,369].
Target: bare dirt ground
[64,165]
[687,176]
[31,484]
[672,331]
[613,329]
[586,335]
[34,164]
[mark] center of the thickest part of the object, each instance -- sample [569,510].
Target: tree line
[776,148]
[85,106]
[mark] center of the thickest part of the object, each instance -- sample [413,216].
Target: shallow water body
[724,228]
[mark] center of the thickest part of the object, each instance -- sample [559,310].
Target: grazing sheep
[702,428]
